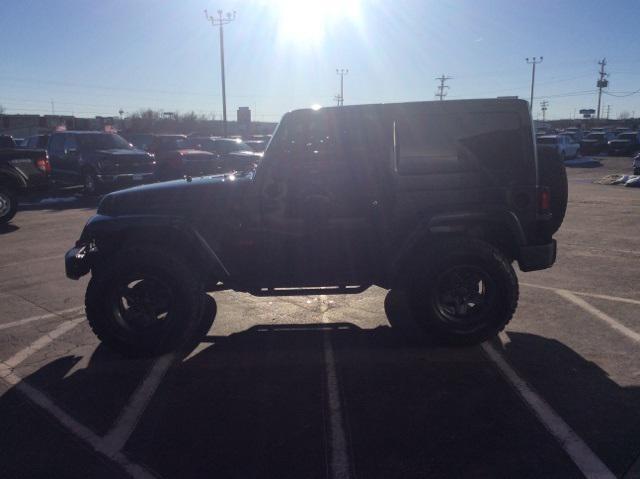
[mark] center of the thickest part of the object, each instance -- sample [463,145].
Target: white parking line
[119,434]
[80,431]
[339,466]
[7,367]
[608,320]
[55,314]
[583,457]
[588,295]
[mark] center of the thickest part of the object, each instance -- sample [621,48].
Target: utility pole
[533,62]
[441,93]
[544,104]
[220,21]
[608,111]
[342,72]
[602,83]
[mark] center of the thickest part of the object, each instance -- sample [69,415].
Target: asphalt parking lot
[321,386]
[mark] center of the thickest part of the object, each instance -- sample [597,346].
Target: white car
[562,146]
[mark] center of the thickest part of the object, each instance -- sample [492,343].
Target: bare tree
[1,110]
[624,115]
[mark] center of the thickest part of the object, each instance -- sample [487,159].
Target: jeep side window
[70,144]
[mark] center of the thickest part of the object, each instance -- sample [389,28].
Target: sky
[90,57]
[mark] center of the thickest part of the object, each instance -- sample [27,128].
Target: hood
[245,154]
[620,142]
[591,141]
[184,198]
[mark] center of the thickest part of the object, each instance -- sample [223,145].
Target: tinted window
[436,143]
[102,141]
[227,146]
[70,143]
[57,144]
[627,136]
[595,136]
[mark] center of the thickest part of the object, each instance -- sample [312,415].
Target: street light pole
[534,61]
[220,21]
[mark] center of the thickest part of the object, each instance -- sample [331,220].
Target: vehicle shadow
[8,228]
[256,404]
[55,201]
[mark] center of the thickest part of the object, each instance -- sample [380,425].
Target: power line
[533,62]
[441,93]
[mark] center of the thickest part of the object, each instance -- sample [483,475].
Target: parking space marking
[339,465]
[37,397]
[581,293]
[55,314]
[7,367]
[608,320]
[119,434]
[582,456]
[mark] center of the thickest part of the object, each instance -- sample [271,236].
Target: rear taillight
[43,164]
[544,199]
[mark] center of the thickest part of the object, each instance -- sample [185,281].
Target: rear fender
[12,178]
[501,228]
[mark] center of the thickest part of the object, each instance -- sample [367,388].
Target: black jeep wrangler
[432,199]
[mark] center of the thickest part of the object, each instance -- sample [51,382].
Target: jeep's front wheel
[467,294]
[145,302]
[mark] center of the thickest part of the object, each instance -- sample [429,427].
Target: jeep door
[318,203]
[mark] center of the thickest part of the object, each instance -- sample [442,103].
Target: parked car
[234,153]
[177,164]
[576,133]
[595,142]
[561,147]
[345,198]
[626,143]
[140,140]
[37,141]
[21,171]
[98,161]
[163,143]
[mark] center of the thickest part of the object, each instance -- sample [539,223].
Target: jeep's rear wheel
[144,302]
[8,205]
[466,295]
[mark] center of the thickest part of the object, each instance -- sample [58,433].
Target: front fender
[104,235]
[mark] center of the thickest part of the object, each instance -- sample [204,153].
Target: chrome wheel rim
[5,204]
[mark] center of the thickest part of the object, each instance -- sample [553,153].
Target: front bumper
[126,178]
[77,260]
[534,258]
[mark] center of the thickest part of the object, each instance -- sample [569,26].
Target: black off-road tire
[184,321]
[553,175]
[424,293]
[8,204]
[90,185]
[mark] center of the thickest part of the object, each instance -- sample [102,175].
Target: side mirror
[72,152]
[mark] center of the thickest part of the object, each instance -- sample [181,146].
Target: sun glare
[308,21]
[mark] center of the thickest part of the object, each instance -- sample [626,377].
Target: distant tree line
[156,121]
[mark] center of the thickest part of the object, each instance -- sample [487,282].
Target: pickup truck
[21,171]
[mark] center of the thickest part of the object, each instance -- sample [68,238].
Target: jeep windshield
[102,141]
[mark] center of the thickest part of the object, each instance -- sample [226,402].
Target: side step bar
[309,291]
